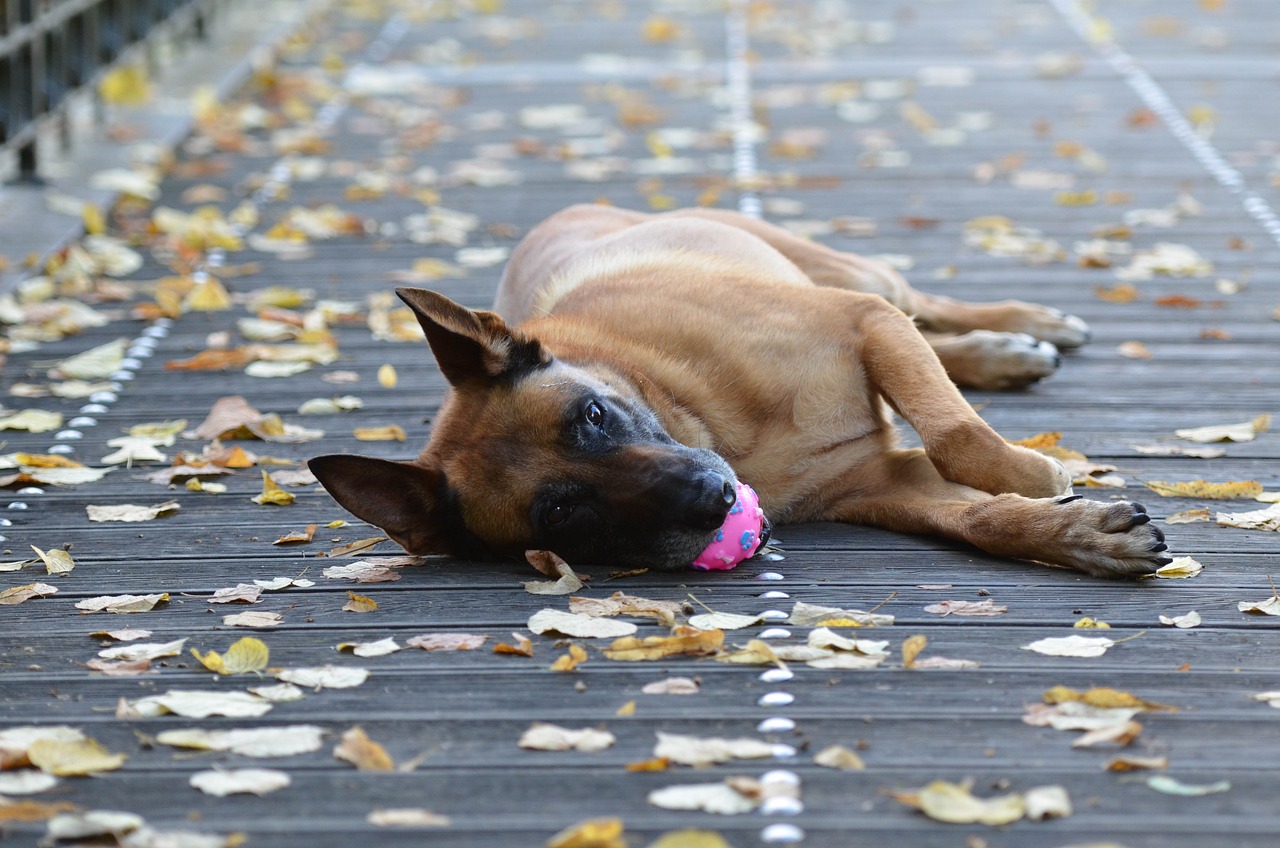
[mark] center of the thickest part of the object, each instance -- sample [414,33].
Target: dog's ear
[401,498]
[471,346]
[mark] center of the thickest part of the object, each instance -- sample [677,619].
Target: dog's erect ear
[469,345]
[401,498]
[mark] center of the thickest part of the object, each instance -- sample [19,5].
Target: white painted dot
[17,505]
[68,435]
[782,832]
[61,449]
[83,421]
[769,575]
[781,777]
[103,397]
[781,806]
[30,490]
[775,633]
[776,724]
[777,675]
[774,615]
[773,594]
[776,699]
[783,752]
[93,409]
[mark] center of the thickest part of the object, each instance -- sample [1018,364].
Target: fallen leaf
[1184,621]
[387,377]
[359,603]
[1205,489]
[578,625]
[32,811]
[982,608]
[1134,350]
[1172,786]
[93,364]
[566,582]
[1088,623]
[26,782]
[126,634]
[253,618]
[550,737]
[1127,762]
[324,677]
[726,798]
[241,593]
[260,742]
[406,817]
[144,650]
[808,615]
[1104,698]
[272,493]
[55,561]
[1245,431]
[223,782]
[943,664]
[911,648]
[278,693]
[592,833]
[690,839]
[112,824]
[704,751]
[385,433]
[362,752]
[671,686]
[522,647]
[839,757]
[1189,516]
[1071,646]
[19,594]
[358,546]
[683,640]
[1272,698]
[245,655]
[123,603]
[722,621]
[297,536]
[1181,567]
[131,512]
[1179,450]
[1120,734]
[362,572]
[380,648]
[1046,802]
[620,603]
[755,652]
[31,420]
[571,660]
[953,803]
[73,758]
[1270,606]
[1258,519]
[446,642]
[275,584]
[626,710]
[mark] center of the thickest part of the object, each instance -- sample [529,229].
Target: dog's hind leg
[1104,539]
[838,269]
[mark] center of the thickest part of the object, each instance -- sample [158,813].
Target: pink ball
[738,538]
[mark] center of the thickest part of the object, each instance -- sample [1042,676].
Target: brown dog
[659,357]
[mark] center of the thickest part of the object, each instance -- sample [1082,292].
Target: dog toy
[738,538]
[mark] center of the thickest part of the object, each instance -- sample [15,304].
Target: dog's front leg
[903,491]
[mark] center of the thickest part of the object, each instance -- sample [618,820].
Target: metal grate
[51,48]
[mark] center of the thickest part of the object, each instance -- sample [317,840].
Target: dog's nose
[710,496]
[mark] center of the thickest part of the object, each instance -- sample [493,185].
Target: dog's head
[529,452]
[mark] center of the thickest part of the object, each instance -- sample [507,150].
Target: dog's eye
[558,514]
[595,414]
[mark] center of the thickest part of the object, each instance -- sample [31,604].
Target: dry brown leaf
[253,618]
[33,811]
[1127,762]
[362,752]
[966,608]
[73,758]
[523,646]
[297,536]
[55,561]
[683,640]
[406,817]
[241,593]
[1189,516]
[911,648]
[953,803]
[730,797]
[1071,646]
[1205,489]
[1103,697]
[1246,431]
[566,582]
[571,660]
[245,655]
[705,751]
[362,572]
[1258,519]
[19,594]
[575,624]
[839,757]
[592,833]
[123,603]
[446,642]
[356,547]
[131,512]
[272,493]
[359,603]
[671,686]
[385,433]
[620,603]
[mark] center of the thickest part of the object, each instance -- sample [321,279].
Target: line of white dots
[781,787]
[278,178]
[1159,102]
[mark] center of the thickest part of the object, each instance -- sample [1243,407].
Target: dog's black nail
[1069,498]
[1155,549]
[1137,507]
[1140,518]
[1165,560]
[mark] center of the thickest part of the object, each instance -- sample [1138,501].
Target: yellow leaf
[73,759]
[953,803]
[690,839]
[651,764]
[1087,623]
[94,223]
[31,420]
[911,649]
[388,433]
[272,493]
[684,640]
[45,460]
[523,646]
[245,655]
[387,377]
[1205,489]
[125,85]
[55,561]
[1076,198]
[592,833]
[1040,440]
[840,622]
[209,295]
[362,752]
[1103,697]
[568,662]
[359,603]
[626,710]
[661,29]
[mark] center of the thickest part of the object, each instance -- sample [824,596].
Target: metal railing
[49,49]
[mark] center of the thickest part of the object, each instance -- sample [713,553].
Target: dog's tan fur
[775,353]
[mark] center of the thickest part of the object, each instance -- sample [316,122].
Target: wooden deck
[1001,89]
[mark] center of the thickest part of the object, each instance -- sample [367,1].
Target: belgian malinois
[637,365]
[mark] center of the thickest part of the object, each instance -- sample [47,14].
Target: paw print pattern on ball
[738,538]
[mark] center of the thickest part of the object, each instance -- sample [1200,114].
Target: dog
[636,366]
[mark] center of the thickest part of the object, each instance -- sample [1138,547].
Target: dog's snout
[709,498]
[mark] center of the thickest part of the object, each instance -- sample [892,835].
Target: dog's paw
[1110,540]
[989,360]
[1066,332]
